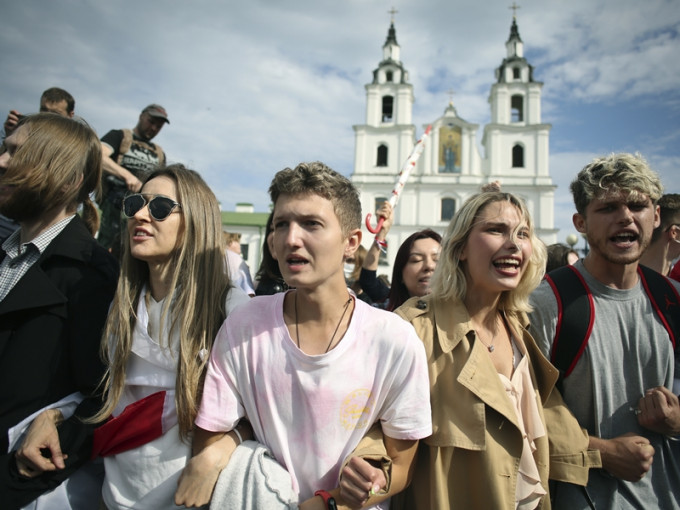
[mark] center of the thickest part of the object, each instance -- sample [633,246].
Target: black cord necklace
[297,333]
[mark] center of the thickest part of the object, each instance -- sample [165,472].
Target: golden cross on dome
[392,12]
[451,92]
[514,8]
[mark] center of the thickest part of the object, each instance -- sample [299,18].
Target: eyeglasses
[160,207]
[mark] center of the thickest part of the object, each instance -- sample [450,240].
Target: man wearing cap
[128,155]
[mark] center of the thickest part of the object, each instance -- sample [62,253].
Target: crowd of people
[142,367]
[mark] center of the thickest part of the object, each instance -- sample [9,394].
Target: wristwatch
[328,500]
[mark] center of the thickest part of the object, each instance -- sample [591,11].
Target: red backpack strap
[664,298]
[575,317]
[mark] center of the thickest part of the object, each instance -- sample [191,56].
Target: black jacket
[50,331]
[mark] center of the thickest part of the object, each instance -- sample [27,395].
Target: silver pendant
[490,348]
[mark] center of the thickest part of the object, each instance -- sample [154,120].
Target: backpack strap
[575,317]
[125,144]
[665,300]
[576,312]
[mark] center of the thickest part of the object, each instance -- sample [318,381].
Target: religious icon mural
[449,149]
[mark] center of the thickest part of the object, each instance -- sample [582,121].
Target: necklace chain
[297,333]
[490,347]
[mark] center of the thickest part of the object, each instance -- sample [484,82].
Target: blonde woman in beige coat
[500,428]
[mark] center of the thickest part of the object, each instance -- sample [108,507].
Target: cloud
[256,86]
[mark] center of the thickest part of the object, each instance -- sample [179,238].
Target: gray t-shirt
[628,352]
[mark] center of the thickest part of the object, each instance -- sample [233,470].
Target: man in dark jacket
[56,284]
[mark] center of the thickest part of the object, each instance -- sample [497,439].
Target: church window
[389,77]
[515,73]
[448,209]
[382,155]
[518,156]
[387,108]
[517,108]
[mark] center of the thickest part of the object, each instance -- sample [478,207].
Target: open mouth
[507,263]
[141,233]
[296,261]
[624,238]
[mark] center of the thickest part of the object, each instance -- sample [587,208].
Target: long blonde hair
[195,302]
[448,280]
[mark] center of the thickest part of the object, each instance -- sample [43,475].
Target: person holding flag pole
[416,258]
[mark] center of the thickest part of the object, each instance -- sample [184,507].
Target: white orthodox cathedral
[515,146]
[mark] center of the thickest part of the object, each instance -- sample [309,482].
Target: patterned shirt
[20,257]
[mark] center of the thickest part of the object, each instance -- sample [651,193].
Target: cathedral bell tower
[516,142]
[386,138]
[450,169]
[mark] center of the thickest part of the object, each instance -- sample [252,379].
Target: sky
[253,87]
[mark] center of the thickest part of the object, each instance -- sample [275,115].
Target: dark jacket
[50,332]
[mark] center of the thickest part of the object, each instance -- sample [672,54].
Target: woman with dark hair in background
[414,264]
[560,255]
[268,276]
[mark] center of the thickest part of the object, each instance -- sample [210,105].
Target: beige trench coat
[471,460]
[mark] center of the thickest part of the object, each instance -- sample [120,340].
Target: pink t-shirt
[312,411]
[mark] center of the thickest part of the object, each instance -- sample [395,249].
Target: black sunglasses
[160,207]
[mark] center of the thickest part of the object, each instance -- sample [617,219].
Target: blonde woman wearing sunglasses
[172,297]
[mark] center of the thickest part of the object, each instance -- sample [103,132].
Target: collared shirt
[20,257]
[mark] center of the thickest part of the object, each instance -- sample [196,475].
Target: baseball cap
[156,110]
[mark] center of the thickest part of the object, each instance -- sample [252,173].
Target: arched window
[517,108]
[389,76]
[515,73]
[382,155]
[387,108]
[518,156]
[448,209]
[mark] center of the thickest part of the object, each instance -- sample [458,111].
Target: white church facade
[451,168]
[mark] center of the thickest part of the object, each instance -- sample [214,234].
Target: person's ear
[579,222]
[657,216]
[353,243]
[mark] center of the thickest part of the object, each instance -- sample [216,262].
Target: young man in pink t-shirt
[315,368]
